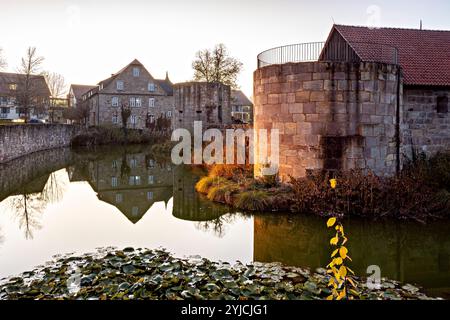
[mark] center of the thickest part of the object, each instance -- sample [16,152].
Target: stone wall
[19,140]
[331,116]
[425,128]
[201,101]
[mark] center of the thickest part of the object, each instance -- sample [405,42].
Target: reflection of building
[241,107]
[130,182]
[187,203]
[407,252]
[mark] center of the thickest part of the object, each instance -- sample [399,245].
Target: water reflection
[405,251]
[76,200]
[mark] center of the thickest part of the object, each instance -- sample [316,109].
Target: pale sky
[87,41]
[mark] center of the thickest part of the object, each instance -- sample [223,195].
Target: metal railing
[337,51]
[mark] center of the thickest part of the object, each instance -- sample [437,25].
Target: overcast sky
[86,41]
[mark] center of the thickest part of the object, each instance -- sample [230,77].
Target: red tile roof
[423,54]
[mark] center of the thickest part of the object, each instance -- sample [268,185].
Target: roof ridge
[389,28]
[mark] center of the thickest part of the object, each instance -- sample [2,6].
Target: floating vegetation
[156,274]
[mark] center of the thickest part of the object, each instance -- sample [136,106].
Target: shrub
[206,183]
[252,200]
[222,193]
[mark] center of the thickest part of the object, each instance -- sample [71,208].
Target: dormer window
[135,72]
[151,87]
[119,84]
[13,86]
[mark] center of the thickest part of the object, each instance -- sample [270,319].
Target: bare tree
[56,83]
[28,208]
[3,63]
[29,92]
[216,66]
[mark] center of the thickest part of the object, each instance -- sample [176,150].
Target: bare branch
[3,63]
[216,66]
[56,83]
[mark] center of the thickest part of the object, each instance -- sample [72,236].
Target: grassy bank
[103,135]
[130,274]
[421,191]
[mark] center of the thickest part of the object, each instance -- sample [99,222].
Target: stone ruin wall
[331,116]
[201,101]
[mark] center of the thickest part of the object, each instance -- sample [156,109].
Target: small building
[134,88]
[13,94]
[76,93]
[241,107]
[207,102]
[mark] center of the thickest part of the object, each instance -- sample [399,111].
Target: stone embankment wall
[20,140]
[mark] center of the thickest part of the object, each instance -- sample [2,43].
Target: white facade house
[11,91]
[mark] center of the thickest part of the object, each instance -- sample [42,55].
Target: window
[13,86]
[138,102]
[3,101]
[135,211]
[119,85]
[149,195]
[5,110]
[151,87]
[151,102]
[442,104]
[133,102]
[151,163]
[169,114]
[134,180]
[133,163]
[151,180]
[119,198]
[114,164]
[135,72]
[115,101]
[115,119]
[114,182]
[133,119]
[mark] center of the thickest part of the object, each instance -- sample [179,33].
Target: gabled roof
[80,89]
[165,84]
[424,55]
[16,78]
[238,98]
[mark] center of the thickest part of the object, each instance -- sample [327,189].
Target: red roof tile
[423,54]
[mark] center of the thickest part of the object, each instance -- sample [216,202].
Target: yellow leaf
[331,222]
[351,282]
[334,253]
[334,241]
[337,261]
[343,252]
[331,282]
[333,183]
[348,269]
[330,297]
[343,271]
[342,294]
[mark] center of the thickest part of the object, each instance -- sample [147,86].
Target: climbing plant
[341,282]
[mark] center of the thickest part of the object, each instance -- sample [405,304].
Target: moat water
[63,200]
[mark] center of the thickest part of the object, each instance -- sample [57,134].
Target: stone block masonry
[331,116]
[20,140]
